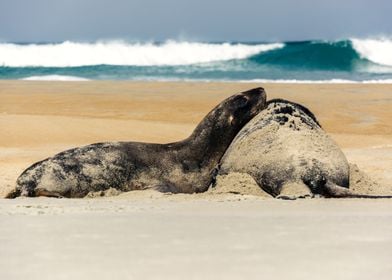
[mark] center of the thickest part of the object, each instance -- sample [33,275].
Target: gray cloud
[246,20]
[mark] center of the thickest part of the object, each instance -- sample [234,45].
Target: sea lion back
[284,144]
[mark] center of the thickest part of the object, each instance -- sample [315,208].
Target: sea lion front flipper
[165,188]
[294,190]
[13,194]
[43,192]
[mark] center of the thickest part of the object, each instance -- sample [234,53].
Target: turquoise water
[352,60]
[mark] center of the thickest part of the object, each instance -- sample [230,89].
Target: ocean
[351,60]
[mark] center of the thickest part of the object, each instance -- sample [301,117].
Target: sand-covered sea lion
[187,166]
[288,154]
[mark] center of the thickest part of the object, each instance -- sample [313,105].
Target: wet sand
[153,236]
[195,239]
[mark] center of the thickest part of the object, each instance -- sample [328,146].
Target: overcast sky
[206,20]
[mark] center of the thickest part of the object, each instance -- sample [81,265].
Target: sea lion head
[225,120]
[240,108]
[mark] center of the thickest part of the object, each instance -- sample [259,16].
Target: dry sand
[219,235]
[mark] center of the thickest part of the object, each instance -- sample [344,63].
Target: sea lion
[289,155]
[187,166]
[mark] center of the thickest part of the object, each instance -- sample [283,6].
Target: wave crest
[378,51]
[72,54]
[55,78]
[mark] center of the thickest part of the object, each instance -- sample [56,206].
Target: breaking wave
[54,78]
[377,51]
[73,54]
[356,60]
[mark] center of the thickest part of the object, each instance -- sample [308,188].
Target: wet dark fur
[187,166]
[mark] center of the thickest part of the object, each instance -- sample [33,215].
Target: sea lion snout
[244,106]
[258,98]
[255,94]
[254,91]
[255,98]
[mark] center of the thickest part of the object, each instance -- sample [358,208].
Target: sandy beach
[146,235]
[39,119]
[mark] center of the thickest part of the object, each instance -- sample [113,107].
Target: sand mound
[362,183]
[237,183]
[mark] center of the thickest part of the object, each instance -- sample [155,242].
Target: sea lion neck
[207,144]
[213,135]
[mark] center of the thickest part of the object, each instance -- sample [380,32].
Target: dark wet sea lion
[289,155]
[187,166]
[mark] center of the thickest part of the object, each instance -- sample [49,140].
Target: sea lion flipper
[13,194]
[294,190]
[341,192]
[43,192]
[164,188]
[336,191]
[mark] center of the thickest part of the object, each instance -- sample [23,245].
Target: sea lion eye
[241,101]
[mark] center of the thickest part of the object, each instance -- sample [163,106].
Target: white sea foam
[165,79]
[376,50]
[277,81]
[68,54]
[332,81]
[54,78]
